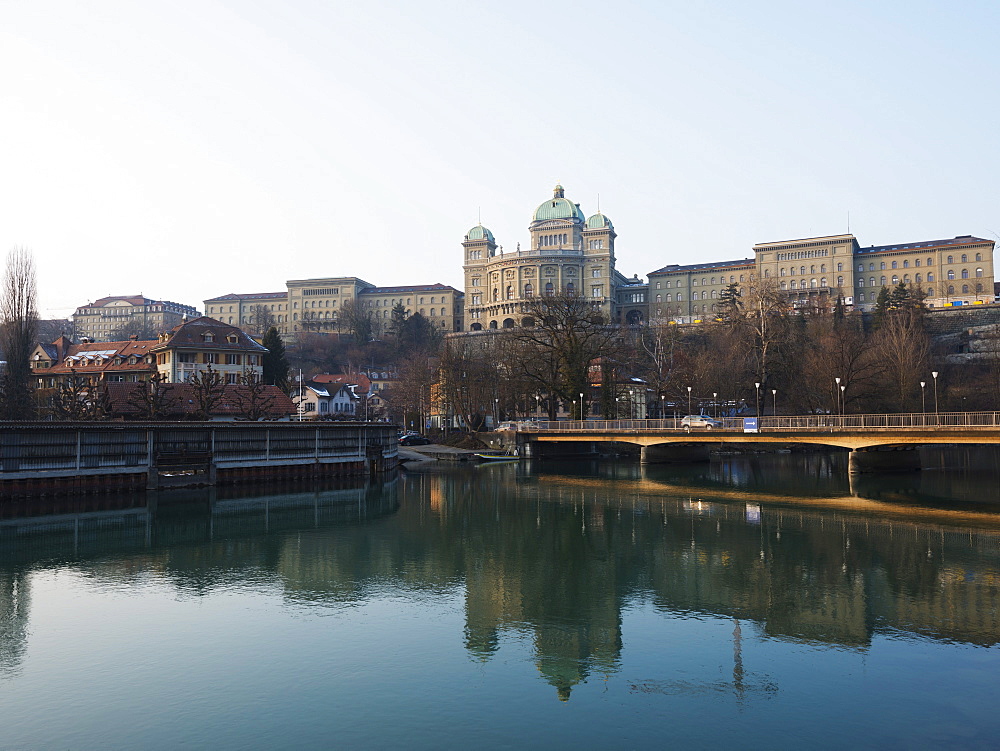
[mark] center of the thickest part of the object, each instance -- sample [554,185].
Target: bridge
[876,441]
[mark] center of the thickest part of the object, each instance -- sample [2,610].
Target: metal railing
[903,421]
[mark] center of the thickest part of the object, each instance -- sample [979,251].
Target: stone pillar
[893,459]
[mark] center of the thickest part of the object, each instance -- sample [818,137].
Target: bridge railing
[902,421]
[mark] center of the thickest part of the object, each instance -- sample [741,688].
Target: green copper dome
[559,207]
[599,221]
[479,232]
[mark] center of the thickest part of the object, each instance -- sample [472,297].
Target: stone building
[205,342]
[316,305]
[99,320]
[567,254]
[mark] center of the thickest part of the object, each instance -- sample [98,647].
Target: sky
[186,150]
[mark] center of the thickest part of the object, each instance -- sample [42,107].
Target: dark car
[413,440]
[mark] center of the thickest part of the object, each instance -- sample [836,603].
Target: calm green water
[767,602]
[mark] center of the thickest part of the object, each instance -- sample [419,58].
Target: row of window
[209,358]
[545,241]
[704,281]
[802,254]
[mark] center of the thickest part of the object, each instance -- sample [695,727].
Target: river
[770,601]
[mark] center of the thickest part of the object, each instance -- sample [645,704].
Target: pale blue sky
[189,149]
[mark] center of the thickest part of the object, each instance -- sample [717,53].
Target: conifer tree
[275,362]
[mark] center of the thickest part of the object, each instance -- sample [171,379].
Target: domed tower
[599,236]
[480,247]
[557,223]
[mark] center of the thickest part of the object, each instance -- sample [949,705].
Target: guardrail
[904,421]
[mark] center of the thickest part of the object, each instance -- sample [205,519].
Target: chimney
[133,338]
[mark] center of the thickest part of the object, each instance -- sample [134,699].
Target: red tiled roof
[183,404]
[82,358]
[191,334]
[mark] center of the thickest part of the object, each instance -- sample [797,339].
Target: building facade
[317,305]
[99,320]
[567,254]
[195,346]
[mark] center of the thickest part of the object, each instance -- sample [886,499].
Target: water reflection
[788,546]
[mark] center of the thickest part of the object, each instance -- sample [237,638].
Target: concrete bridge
[876,442]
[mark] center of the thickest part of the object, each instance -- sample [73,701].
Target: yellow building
[567,254]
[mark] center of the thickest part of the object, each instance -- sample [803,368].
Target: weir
[60,458]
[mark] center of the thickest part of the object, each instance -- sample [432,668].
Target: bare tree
[18,331]
[153,399]
[252,398]
[559,338]
[208,389]
[78,397]
[261,319]
[901,347]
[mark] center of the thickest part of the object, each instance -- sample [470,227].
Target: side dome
[559,207]
[599,221]
[479,232]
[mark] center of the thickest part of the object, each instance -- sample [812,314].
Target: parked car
[700,421]
[413,440]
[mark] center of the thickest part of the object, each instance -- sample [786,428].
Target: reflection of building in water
[15,603]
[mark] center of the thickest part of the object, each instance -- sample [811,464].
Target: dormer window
[208,337]
[233,339]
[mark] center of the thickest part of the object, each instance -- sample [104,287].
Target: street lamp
[715,404]
[923,401]
[843,402]
[774,402]
[662,408]
[581,405]
[689,400]
[836,394]
[617,408]
[935,374]
[496,413]
[757,386]
[538,405]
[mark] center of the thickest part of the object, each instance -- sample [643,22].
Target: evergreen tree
[275,362]
[882,306]
[729,303]
[839,312]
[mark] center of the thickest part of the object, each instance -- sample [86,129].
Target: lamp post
[538,405]
[617,408]
[496,413]
[663,414]
[757,386]
[836,394]
[936,413]
[573,413]
[774,402]
[715,404]
[923,401]
[581,405]
[689,400]
[843,402]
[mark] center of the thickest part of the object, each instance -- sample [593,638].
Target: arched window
[784,285]
[496,294]
[951,274]
[477,327]
[882,281]
[812,283]
[895,279]
[767,274]
[861,297]
[916,262]
[510,292]
[906,264]
[930,261]
[965,273]
[822,282]
[979,289]
[951,289]
[840,281]
[714,294]
[965,289]
[528,290]
[822,268]
[861,267]
[668,297]
[680,297]
[549,289]
[493,324]
[782,273]
[917,279]
[570,289]
[951,259]
[930,291]
[840,267]
[802,269]
[881,266]
[894,264]
[979,272]
[794,284]
[861,281]
[812,269]
[906,278]
[965,258]
[979,256]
